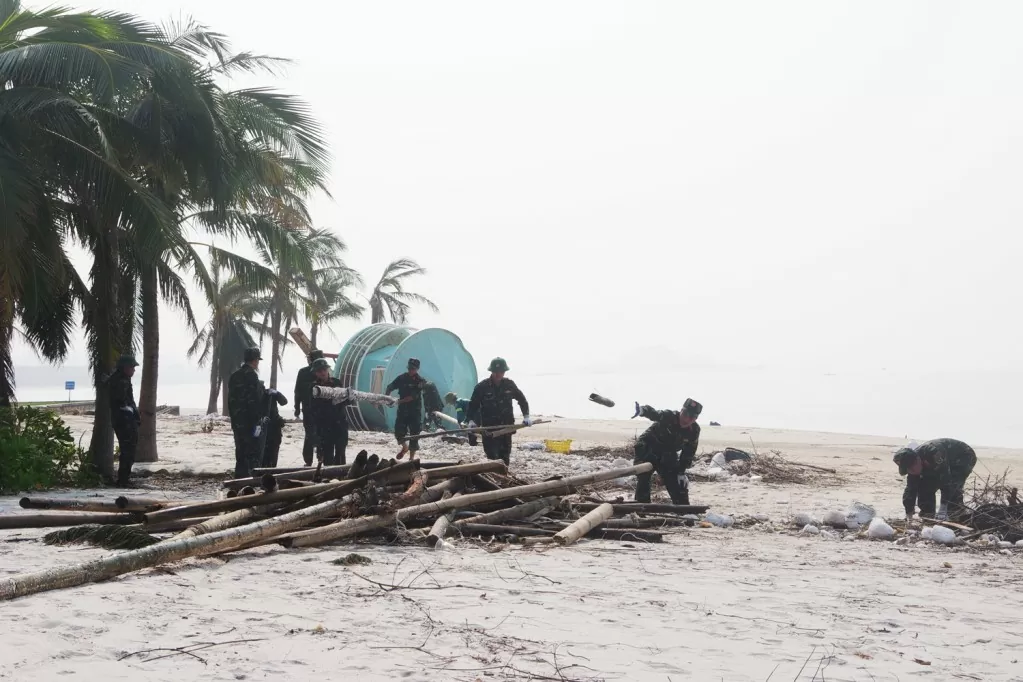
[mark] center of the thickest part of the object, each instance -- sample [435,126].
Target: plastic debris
[718,460]
[835,519]
[761,517]
[719,520]
[926,533]
[809,529]
[804,519]
[1005,545]
[861,513]
[755,479]
[945,536]
[880,530]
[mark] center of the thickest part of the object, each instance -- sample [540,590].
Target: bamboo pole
[170,526]
[11,521]
[345,529]
[440,526]
[584,525]
[520,511]
[144,504]
[339,471]
[436,492]
[490,466]
[342,529]
[161,553]
[645,508]
[57,504]
[598,533]
[224,521]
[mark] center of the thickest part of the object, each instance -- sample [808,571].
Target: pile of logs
[410,501]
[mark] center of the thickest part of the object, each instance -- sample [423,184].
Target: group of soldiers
[670,443]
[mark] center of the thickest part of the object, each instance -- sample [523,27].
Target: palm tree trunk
[275,336]
[223,399]
[314,326]
[150,365]
[6,361]
[211,406]
[105,335]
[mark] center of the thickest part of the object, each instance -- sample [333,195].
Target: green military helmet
[498,365]
[320,363]
[252,354]
[904,457]
[451,398]
[315,354]
[413,363]
[127,360]
[691,408]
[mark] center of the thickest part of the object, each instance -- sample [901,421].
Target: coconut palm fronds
[106,536]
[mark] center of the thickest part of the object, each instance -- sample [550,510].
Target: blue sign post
[69,386]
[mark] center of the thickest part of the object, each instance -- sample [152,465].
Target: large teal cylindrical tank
[377,354]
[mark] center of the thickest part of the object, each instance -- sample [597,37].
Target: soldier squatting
[670,443]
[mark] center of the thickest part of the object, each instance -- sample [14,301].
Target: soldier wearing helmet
[670,445]
[329,419]
[409,419]
[491,405]
[245,398]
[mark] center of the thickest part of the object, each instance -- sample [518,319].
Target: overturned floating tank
[376,355]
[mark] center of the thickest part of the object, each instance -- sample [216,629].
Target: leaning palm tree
[328,300]
[389,295]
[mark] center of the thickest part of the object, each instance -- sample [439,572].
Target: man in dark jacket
[330,419]
[670,445]
[491,405]
[245,404]
[461,406]
[303,385]
[125,415]
[274,432]
[432,403]
[943,464]
[409,420]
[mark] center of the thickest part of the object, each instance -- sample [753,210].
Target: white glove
[272,391]
[472,424]
[683,481]
[942,514]
[526,420]
[127,409]
[258,430]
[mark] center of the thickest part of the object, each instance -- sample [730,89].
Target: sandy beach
[752,602]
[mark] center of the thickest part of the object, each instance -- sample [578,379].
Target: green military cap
[451,398]
[127,361]
[413,363]
[691,408]
[498,365]
[321,363]
[315,354]
[252,354]
[904,457]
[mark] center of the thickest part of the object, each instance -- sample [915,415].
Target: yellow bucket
[559,446]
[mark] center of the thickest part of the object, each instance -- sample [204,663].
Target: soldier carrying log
[409,420]
[943,464]
[491,405]
[330,419]
[303,402]
[670,445]
[245,405]
[274,430]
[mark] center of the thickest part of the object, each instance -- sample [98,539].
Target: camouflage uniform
[303,402]
[659,444]
[125,416]
[274,431]
[331,424]
[409,420]
[491,405]
[245,398]
[947,463]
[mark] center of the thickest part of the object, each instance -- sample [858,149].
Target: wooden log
[224,521]
[161,553]
[372,462]
[436,492]
[495,529]
[57,504]
[490,466]
[450,421]
[343,529]
[493,430]
[242,502]
[308,473]
[584,525]
[169,526]
[647,522]
[144,504]
[411,495]
[646,508]
[440,526]
[358,467]
[9,521]
[516,513]
[396,474]
[598,533]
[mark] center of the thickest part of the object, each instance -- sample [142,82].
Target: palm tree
[231,329]
[389,295]
[328,300]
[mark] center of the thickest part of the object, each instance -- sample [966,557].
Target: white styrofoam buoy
[926,533]
[945,536]
[719,520]
[1005,545]
[835,518]
[862,513]
[879,529]
[810,530]
[804,519]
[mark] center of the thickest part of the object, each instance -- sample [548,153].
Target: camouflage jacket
[665,437]
[491,404]
[409,386]
[245,397]
[462,410]
[325,415]
[304,388]
[122,395]
[946,458]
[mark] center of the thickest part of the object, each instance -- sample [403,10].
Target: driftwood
[440,526]
[8,521]
[490,466]
[584,525]
[599,533]
[224,521]
[144,504]
[160,553]
[521,511]
[57,504]
[645,508]
[437,491]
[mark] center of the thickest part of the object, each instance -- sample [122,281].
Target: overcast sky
[830,185]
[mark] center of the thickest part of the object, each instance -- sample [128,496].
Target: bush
[38,451]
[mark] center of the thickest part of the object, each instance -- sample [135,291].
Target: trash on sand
[719,520]
[810,530]
[880,529]
[945,536]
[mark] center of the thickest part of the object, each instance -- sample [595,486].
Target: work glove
[942,514]
[258,430]
[527,420]
[272,391]
[683,481]
[637,412]
[472,424]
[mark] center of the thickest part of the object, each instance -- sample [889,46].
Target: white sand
[709,604]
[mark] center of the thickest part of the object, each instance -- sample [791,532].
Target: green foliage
[352,559]
[38,451]
[107,537]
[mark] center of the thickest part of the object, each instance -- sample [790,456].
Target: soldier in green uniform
[461,412]
[245,404]
[330,420]
[432,403]
[943,464]
[408,421]
[303,401]
[125,415]
[274,432]
[670,445]
[491,405]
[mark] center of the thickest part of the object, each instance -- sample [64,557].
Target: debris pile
[765,467]
[373,499]
[995,507]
